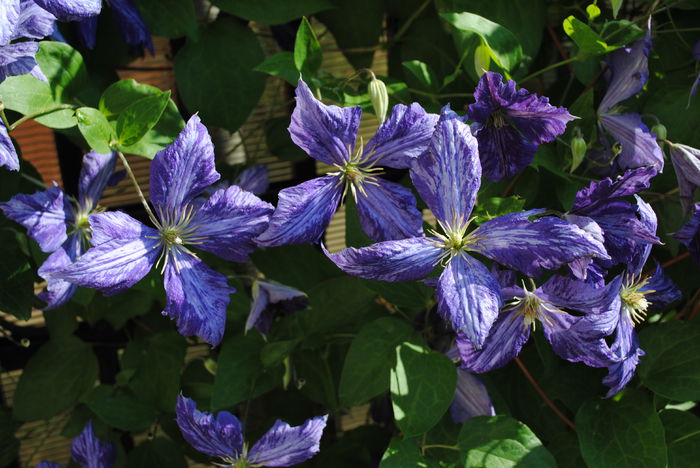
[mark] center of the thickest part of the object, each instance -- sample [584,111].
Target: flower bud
[482,59]
[660,131]
[379,97]
[578,150]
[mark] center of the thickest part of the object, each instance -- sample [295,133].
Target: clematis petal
[58,291]
[257,317]
[640,249]
[626,352]
[71,10]
[686,163]
[197,297]
[469,296]
[506,338]
[661,290]
[639,146]
[689,234]
[599,193]
[19,59]
[34,22]
[91,452]
[448,175]
[402,137]
[46,464]
[113,225]
[326,133]
[44,214]
[95,174]
[131,25]
[9,17]
[87,31]
[471,399]
[254,179]
[529,246]
[577,339]
[228,223]
[284,445]
[503,152]
[396,260]
[219,437]
[8,153]
[388,211]
[270,298]
[303,212]
[184,168]
[629,71]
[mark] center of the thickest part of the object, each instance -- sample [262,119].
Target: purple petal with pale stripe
[303,212]
[448,175]
[95,174]
[326,133]
[19,59]
[506,338]
[639,146]
[625,350]
[577,339]
[503,151]
[197,297]
[469,297]
[689,234]
[254,179]
[131,25]
[402,137]
[598,194]
[34,22]
[71,10]
[58,291]
[471,399]
[91,452]
[396,260]
[9,17]
[184,168]
[229,221]
[113,225]
[257,317]
[284,445]
[529,246]
[44,214]
[219,437]
[686,163]
[640,249]
[629,71]
[660,291]
[388,211]
[8,153]
[279,296]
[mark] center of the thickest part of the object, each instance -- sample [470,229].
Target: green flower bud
[482,59]
[379,97]
[578,150]
[660,131]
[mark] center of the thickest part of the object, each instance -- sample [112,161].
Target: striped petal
[388,211]
[284,445]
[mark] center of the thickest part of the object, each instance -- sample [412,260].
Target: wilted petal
[600,193]
[689,234]
[58,291]
[197,297]
[131,25]
[87,31]
[8,153]
[19,59]
[469,297]
[219,437]
[388,211]
[448,175]
[686,163]
[284,445]
[506,338]
[44,214]
[639,146]
[471,398]
[402,137]
[629,71]
[229,221]
[70,10]
[91,452]
[303,212]
[396,260]
[326,133]
[528,246]
[503,152]
[254,179]
[95,174]
[626,352]
[184,168]
[34,22]
[660,290]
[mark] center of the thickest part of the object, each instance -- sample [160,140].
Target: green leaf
[423,73]
[682,430]
[422,388]
[215,75]
[278,141]
[315,376]
[95,128]
[139,117]
[354,234]
[625,433]
[621,32]
[281,64]
[616,5]
[123,412]
[272,11]
[671,366]
[157,453]
[17,277]
[402,453]
[507,51]
[299,266]
[307,50]
[587,40]
[503,442]
[496,206]
[273,354]
[670,105]
[370,359]
[179,21]
[68,368]
[117,310]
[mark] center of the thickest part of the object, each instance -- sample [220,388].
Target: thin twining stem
[151,215]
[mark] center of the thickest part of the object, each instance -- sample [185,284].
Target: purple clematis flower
[387,210]
[448,176]
[696,83]
[471,396]
[124,250]
[509,124]
[8,153]
[132,27]
[689,234]
[271,299]
[71,10]
[686,163]
[89,451]
[62,227]
[222,437]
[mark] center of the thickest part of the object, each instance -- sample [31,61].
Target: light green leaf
[402,453]
[307,51]
[139,117]
[616,5]
[587,40]
[423,73]
[272,11]
[493,207]
[281,64]
[95,128]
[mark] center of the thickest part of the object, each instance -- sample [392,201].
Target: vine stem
[549,67]
[544,396]
[34,115]
[151,215]
[440,446]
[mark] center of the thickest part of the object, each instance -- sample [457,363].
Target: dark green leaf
[169,18]
[272,11]
[215,75]
[406,295]
[670,105]
[62,322]
[422,388]
[278,141]
[671,366]
[402,453]
[625,433]
[354,234]
[157,453]
[68,368]
[370,359]
[9,445]
[307,51]
[139,117]
[501,441]
[116,310]
[281,64]
[621,33]
[682,430]
[587,40]
[315,377]
[273,354]
[299,266]
[123,412]
[17,278]
[95,128]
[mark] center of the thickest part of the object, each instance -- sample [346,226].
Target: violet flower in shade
[124,250]
[271,299]
[686,163]
[471,396]
[132,27]
[8,153]
[448,176]
[91,452]
[71,10]
[689,234]
[387,210]
[62,227]
[638,293]
[255,179]
[509,124]
[222,437]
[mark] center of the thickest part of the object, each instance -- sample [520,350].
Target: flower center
[634,301]
[356,172]
[498,119]
[454,238]
[176,230]
[532,308]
